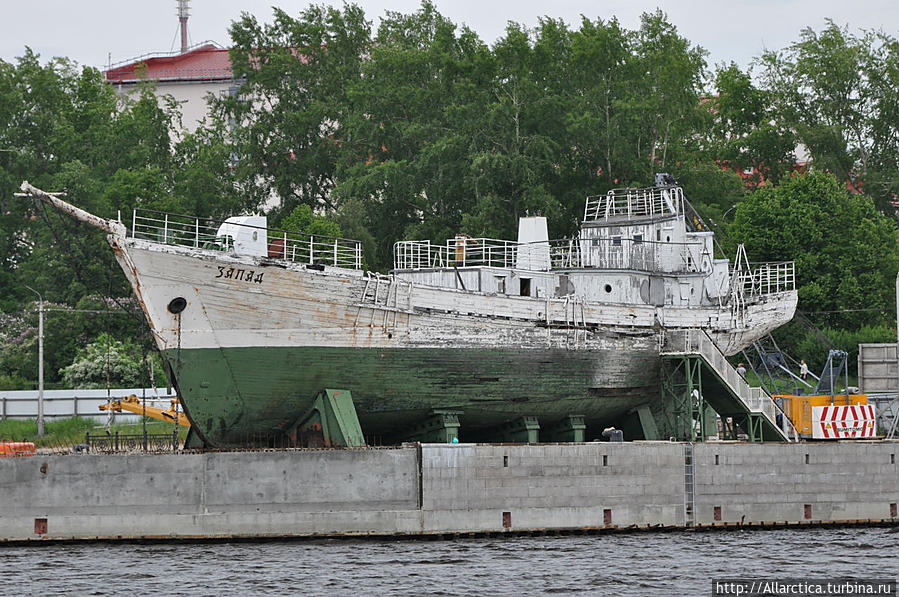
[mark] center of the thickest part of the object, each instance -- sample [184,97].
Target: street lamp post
[40,362]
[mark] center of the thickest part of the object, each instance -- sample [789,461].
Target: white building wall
[191,95]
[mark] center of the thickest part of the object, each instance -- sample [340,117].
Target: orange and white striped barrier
[844,422]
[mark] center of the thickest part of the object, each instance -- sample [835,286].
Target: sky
[99,32]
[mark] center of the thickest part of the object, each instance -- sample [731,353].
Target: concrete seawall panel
[444,488]
[796,482]
[215,494]
[551,486]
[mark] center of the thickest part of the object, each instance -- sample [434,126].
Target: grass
[790,386]
[64,433]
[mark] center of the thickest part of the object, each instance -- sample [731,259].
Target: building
[188,76]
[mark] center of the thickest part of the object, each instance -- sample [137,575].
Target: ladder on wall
[689,485]
[385,297]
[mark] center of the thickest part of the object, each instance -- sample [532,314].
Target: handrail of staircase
[699,341]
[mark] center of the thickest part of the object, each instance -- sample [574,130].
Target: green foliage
[301,219]
[813,346]
[836,91]
[845,250]
[294,104]
[63,128]
[13,382]
[422,131]
[65,333]
[419,129]
[713,192]
[57,433]
[747,134]
[105,360]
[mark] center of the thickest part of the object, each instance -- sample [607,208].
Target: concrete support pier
[444,489]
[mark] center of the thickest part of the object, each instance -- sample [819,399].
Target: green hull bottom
[250,396]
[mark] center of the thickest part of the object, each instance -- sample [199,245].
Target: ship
[255,323]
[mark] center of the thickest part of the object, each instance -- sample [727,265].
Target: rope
[74,258]
[108,373]
[143,379]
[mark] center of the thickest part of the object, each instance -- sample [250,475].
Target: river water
[644,563]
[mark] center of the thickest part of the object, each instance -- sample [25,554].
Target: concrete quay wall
[443,488]
[469,488]
[770,483]
[220,494]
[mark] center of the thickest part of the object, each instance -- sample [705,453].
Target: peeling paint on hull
[258,339]
[239,394]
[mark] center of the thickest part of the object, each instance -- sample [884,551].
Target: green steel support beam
[755,427]
[521,430]
[682,397]
[442,427]
[709,423]
[571,429]
[647,422]
[689,413]
[332,421]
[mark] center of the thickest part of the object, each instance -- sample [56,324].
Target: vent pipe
[183,13]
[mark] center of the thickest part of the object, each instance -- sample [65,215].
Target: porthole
[177,305]
[608,288]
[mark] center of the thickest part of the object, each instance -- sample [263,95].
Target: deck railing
[766,278]
[457,252]
[634,203]
[607,253]
[203,233]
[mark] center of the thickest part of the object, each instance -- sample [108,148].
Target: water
[676,563]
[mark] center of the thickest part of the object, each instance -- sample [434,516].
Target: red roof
[207,62]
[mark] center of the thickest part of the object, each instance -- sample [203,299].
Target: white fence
[62,404]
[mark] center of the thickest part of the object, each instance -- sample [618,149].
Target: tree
[422,131]
[748,135]
[520,161]
[836,91]
[302,220]
[714,192]
[419,115]
[105,360]
[63,128]
[289,119]
[665,103]
[602,65]
[845,250]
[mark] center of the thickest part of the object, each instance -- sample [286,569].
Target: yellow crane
[133,404]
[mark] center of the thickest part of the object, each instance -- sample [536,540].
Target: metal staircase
[725,391]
